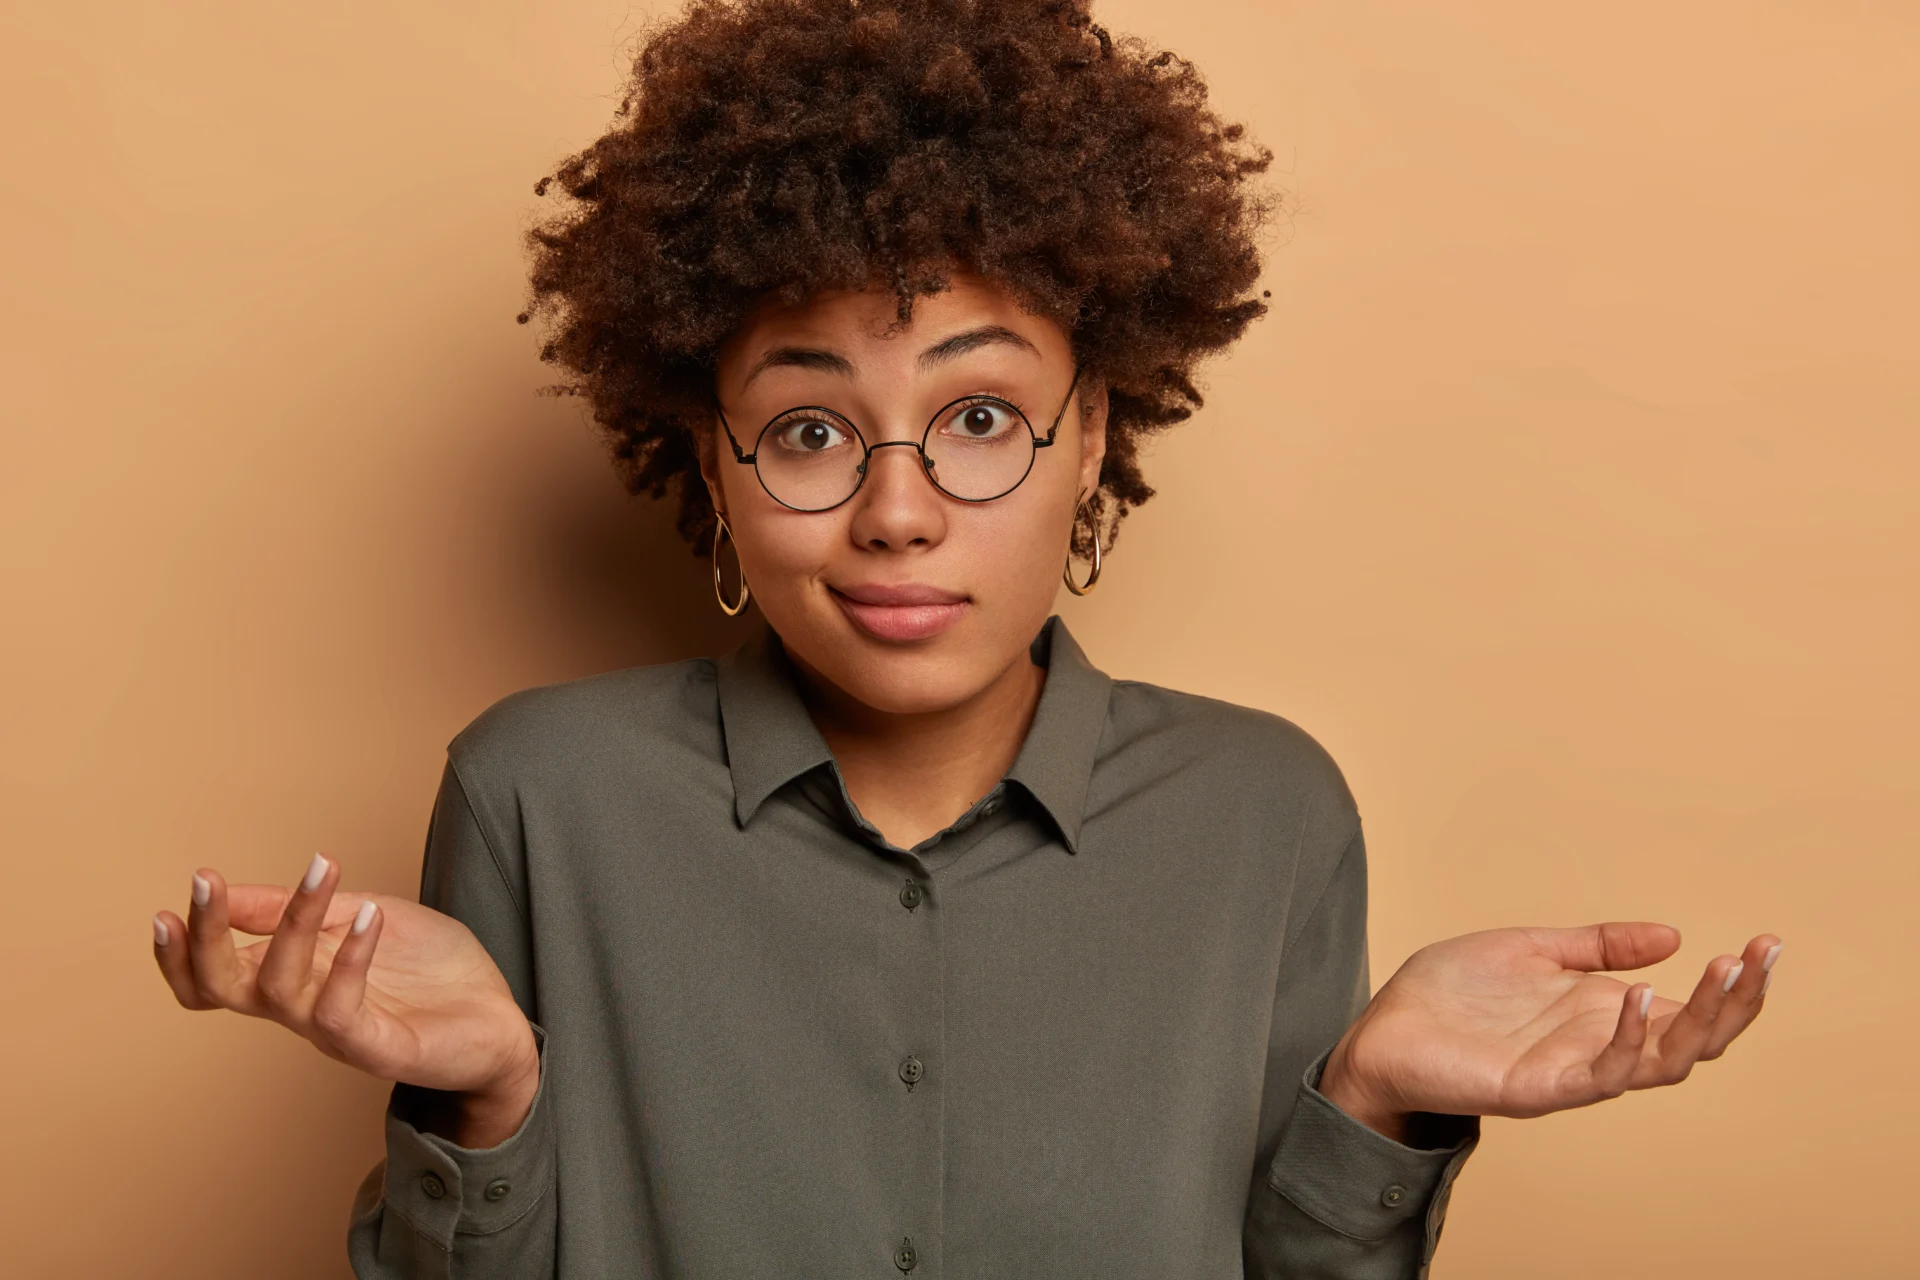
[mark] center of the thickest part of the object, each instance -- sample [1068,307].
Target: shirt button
[431,1184]
[498,1189]
[1393,1195]
[910,895]
[986,810]
[904,1257]
[911,1070]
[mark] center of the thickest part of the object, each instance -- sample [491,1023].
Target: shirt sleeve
[433,1208]
[1331,1198]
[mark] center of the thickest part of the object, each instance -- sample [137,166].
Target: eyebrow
[960,344]
[821,360]
[815,358]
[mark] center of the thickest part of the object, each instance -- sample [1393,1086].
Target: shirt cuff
[441,1188]
[1361,1183]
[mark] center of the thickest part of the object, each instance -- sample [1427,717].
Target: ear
[1093,432]
[706,446]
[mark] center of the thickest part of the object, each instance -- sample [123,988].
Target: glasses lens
[980,448]
[809,459]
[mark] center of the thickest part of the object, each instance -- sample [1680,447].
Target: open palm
[395,989]
[1520,1022]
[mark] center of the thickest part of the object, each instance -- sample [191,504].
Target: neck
[912,775]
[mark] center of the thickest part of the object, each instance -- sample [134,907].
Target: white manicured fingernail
[316,872]
[1773,953]
[1646,1001]
[363,917]
[159,932]
[1765,983]
[1733,976]
[202,889]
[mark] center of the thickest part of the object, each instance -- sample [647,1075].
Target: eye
[809,435]
[981,420]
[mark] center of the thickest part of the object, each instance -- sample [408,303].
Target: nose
[897,508]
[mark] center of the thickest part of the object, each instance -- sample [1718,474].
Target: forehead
[863,325]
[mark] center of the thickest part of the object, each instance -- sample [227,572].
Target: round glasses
[976,449]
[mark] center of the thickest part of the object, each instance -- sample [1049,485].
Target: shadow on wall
[600,577]
[628,580]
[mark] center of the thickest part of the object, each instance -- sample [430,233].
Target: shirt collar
[1055,763]
[771,740]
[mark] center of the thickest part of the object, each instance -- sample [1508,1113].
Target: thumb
[1617,944]
[256,908]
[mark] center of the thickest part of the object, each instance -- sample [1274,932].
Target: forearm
[1342,1201]
[441,1207]
[1342,1190]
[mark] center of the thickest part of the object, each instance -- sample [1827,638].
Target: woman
[903,940]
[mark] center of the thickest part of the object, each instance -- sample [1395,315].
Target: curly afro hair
[792,146]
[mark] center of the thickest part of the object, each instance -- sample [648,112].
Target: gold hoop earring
[724,532]
[1066,571]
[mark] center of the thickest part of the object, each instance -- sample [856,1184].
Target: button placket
[914,1035]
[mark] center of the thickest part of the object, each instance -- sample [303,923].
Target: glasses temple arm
[1058,417]
[739,455]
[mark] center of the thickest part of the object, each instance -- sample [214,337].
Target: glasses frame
[920,446]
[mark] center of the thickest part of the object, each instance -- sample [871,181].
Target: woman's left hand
[1519,1022]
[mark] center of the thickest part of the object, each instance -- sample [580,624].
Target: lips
[902,612]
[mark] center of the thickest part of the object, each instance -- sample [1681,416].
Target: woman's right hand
[429,1007]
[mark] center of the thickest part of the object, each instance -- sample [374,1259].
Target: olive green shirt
[1075,1034]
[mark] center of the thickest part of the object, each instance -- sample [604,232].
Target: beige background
[1571,496]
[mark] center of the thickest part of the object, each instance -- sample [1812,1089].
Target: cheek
[1013,555]
[1024,535]
[782,551]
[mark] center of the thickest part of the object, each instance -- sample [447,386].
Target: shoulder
[1245,755]
[650,712]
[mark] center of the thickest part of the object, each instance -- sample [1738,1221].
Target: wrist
[1347,1089]
[489,1115]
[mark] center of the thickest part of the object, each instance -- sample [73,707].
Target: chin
[907,680]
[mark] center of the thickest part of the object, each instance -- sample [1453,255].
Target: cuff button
[498,1189]
[1393,1196]
[431,1184]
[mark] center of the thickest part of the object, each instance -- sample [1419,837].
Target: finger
[1743,1002]
[170,953]
[257,908]
[1684,1038]
[1617,944]
[218,978]
[1611,1072]
[286,972]
[339,1011]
